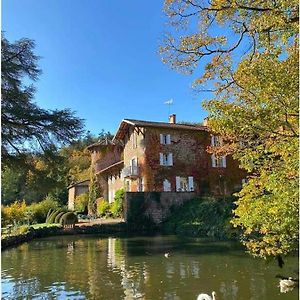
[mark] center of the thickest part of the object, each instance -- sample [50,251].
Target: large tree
[246,52]
[212,36]
[25,125]
[48,174]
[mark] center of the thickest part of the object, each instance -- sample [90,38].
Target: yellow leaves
[14,213]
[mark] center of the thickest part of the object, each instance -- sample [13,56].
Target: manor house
[148,156]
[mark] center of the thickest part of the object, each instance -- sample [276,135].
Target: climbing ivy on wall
[94,193]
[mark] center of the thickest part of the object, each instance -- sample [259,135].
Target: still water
[93,267]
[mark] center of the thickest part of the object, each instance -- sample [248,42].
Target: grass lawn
[44,225]
[23,229]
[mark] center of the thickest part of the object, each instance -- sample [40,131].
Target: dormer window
[165,139]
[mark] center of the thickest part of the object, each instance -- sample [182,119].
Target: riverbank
[93,227]
[197,218]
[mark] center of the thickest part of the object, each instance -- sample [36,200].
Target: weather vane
[169,102]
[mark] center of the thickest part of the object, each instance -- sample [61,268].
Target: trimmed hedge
[58,217]
[53,215]
[51,210]
[68,218]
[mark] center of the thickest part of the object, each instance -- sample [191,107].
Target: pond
[93,267]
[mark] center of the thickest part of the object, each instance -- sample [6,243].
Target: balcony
[131,171]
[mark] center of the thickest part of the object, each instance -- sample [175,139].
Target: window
[141,184]
[134,139]
[218,162]
[127,186]
[184,184]
[216,141]
[167,185]
[165,139]
[134,166]
[166,159]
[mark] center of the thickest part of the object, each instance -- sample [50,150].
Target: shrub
[14,213]
[48,214]
[53,216]
[103,208]
[23,229]
[116,208]
[81,202]
[39,212]
[58,217]
[68,218]
[202,217]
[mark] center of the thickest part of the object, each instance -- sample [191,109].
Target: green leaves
[248,51]
[209,35]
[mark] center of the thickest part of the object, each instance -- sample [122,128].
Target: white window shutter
[168,139]
[212,141]
[161,138]
[213,160]
[177,183]
[191,183]
[170,159]
[224,161]
[161,159]
[167,185]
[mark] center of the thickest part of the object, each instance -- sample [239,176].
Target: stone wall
[142,208]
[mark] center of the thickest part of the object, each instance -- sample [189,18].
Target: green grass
[23,229]
[44,225]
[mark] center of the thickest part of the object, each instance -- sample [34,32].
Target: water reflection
[81,267]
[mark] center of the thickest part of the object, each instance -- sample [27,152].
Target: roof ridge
[166,123]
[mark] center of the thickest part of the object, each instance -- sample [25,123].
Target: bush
[53,216]
[49,213]
[39,212]
[68,218]
[81,202]
[202,217]
[58,217]
[103,208]
[23,229]
[14,213]
[116,208]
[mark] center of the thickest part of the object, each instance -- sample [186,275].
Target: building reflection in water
[132,268]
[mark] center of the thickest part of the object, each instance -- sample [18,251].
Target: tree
[48,173]
[79,158]
[215,32]
[38,177]
[255,104]
[260,128]
[24,123]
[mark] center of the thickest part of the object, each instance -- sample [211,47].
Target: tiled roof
[164,124]
[140,123]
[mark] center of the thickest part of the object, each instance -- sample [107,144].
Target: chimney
[205,122]
[172,119]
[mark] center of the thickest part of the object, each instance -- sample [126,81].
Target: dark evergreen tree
[25,125]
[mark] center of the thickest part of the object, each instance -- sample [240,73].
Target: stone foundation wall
[152,207]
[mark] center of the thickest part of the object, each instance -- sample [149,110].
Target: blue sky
[100,58]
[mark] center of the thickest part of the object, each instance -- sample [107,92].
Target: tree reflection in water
[91,267]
